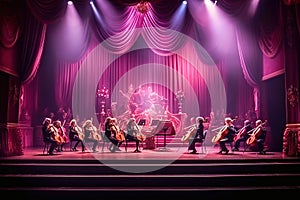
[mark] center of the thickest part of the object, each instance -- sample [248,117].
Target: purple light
[184,2]
[70,3]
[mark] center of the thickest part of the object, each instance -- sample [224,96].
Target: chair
[127,140]
[202,142]
[105,140]
[46,147]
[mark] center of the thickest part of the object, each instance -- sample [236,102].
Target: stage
[161,153]
[171,172]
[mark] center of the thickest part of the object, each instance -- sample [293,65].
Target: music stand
[165,128]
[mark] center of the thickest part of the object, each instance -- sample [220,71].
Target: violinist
[62,133]
[243,135]
[89,131]
[76,134]
[228,133]
[48,136]
[132,131]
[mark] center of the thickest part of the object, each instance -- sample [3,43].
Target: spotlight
[184,2]
[70,3]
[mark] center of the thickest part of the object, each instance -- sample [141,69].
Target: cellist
[117,133]
[89,130]
[76,134]
[228,132]
[258,136]
[48,135]
[242,135]
[132,132]
[110,134]
[198,136]
[62,133]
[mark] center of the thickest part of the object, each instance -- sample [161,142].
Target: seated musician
[118,133]
[110,134]
[132,129]
[76,134]
[243,135]
[90,131]
[62,132]
[198,136]
[48,136]
[228,131]
[259,133]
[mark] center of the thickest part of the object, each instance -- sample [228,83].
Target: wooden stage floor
[168,153]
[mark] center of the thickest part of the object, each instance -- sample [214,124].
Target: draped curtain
[120,29]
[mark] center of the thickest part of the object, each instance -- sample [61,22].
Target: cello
[62,133]
[79,132]
[55,135]
[119,134]
[241,133]
[139,135]
[257,131]
[95,134]
[191,132]
[221,134]
[223,131]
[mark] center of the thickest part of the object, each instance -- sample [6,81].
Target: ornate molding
[293,95]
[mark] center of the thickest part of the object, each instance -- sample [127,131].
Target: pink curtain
[119,28]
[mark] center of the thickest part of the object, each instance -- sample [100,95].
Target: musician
[229,132]
[108,124]
[243,135]
[260,132]
[48,135]
[62,132]
[198,136]
[117,133]
[76,134]
[89,130]
[132,129]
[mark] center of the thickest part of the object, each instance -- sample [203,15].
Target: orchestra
[146,106]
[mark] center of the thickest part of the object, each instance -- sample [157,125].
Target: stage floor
[168,153]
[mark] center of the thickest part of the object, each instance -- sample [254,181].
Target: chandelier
[142,7]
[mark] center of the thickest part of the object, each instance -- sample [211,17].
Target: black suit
[198,137]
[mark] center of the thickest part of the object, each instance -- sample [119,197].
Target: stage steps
[90,178]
